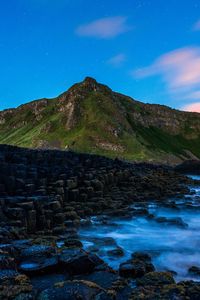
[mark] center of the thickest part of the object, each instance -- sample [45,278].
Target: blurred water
[171,247]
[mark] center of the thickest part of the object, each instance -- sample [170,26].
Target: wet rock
[16,213]
[71,215]
[16,287]
[37,250]
[73,290]
[116,252]
[189,167]
[7,274]
[161,219]
[85,222]
[25,296]
[73,243]
[194,270]
[104,279]
[174,273]
[44,282]
[58,230]
[97,184]
[183,290]
[177,222]
[156,278]
[7,262]
[169,292]
[78,262]
[135,268]
[8,248]
[172,221]
[141,212]
[192,289]
[39,265]
[141,256]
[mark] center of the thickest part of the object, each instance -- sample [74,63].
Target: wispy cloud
[179,69]
[193,107]
[196,26]
[117,60]
[104,28]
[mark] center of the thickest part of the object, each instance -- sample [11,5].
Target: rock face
[91,118]
[49,191]
[189,167]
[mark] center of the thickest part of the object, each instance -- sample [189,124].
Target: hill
[91,118]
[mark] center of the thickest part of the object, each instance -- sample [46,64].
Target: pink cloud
[193,107]
[117,60]
[180,69]
[104,28]
[196,26]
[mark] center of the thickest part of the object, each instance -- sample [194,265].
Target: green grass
[97,116]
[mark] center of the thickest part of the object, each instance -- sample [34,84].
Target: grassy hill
[90,117]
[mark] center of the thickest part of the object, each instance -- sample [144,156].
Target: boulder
[156,279]
[73,290]
[39,265]
[135,268]
[76,261]
[117,252]
[194,270]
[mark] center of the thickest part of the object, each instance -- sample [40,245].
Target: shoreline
[45,194]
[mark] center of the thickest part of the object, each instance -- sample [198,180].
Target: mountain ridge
[90,117]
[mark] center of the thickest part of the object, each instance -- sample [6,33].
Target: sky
[149,50]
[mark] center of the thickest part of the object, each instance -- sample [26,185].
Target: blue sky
[149,50]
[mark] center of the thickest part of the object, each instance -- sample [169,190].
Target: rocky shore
[46,195]
[189,167]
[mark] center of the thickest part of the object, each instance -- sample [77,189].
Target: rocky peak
[89,80]
[88,85]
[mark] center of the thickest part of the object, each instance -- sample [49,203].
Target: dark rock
[104,279]
[39,265]
[77,261]
[194,270]
[141,256]
[73,243]
[156,278]
[37,250]
[116,252]
[73,290]
[6,274]
[172,221]
[44,282]
[183,290]
[135,268]
[36,187]
[189,167]
[7,262]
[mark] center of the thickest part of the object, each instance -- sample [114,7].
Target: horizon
[139,100]
[143,49]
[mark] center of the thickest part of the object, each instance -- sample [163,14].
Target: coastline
[46,194]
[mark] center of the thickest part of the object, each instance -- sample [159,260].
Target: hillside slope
[90,117]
